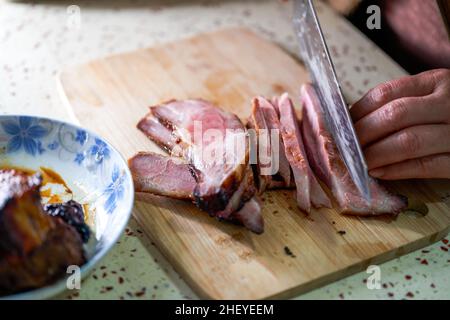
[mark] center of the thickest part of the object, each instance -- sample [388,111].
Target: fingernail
[376,173]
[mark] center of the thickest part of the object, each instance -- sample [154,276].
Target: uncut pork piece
[329,167]
[35,248]
[308,188]
[173,177]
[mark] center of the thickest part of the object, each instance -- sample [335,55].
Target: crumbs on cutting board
[342,232]
[288,252]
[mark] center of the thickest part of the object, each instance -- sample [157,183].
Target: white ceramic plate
[95,172]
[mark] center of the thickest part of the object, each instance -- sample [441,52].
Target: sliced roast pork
[162,136]
[215,150]
[173,177]
[162,175]
[218,148]
[273,123]
[264,153]
[308,189]
[329,167]
[246,216]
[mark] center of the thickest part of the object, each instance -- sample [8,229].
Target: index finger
[410,86]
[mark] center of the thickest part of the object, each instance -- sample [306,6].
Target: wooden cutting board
[217,259]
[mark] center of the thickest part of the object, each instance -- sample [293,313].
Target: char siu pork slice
[329,167]
[271,168]
[217,148]
[262,183]
[162,136]
[263,147]
[308,189]
[274,102]
[246,216]
[162,175]
[273,123]
[173,177]
[215,162]
[35,248]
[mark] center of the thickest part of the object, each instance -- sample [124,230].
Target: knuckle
[439,76]
[383,92]
[441,73]
[410,142]
[396,111]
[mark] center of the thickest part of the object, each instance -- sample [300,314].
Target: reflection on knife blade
[314,53]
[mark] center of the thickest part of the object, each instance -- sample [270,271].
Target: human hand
[404,127]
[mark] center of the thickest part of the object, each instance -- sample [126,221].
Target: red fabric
[420,30]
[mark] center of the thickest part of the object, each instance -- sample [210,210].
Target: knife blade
[315,54]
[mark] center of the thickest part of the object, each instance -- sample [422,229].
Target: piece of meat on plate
[23,225]
[35,248]
[172,177]
[327,164]
[308,188]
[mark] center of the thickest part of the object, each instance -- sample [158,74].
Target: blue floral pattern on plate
[93,169]
[81,137]
[99,150]
[24,133]
[114,191]
[31,134]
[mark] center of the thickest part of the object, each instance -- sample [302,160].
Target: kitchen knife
[314,52]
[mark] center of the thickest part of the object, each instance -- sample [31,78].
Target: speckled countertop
[39,40]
